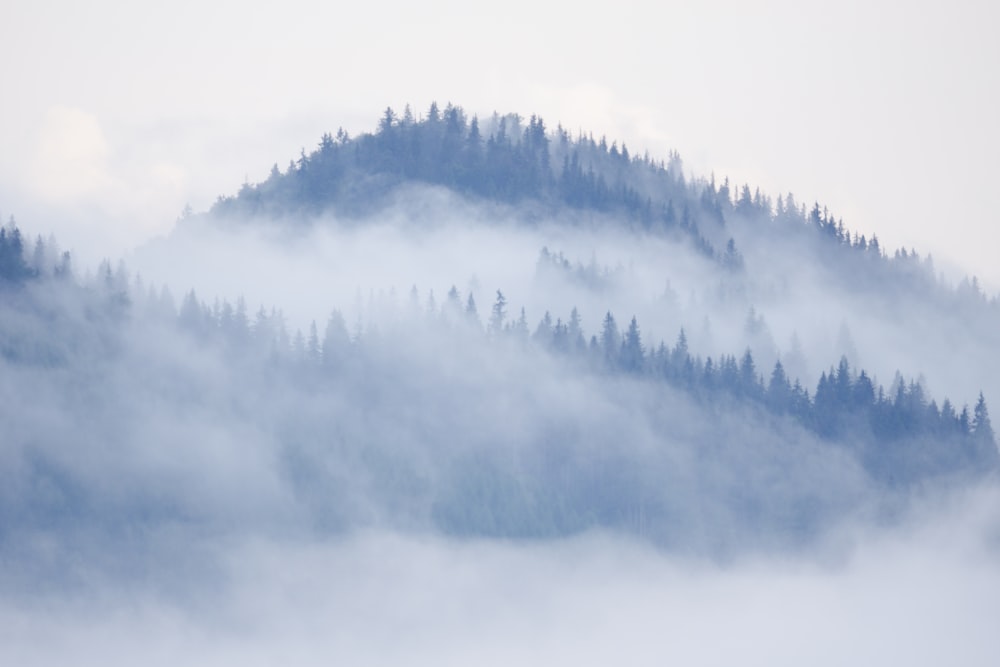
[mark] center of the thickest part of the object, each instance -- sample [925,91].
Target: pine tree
[471,313]
[982,429]
[543,332]
[497,315]
[574,331]
[680,354]
[749,382]
[12,264]
[779,391]
[520,327]
[610,339]
[632,353]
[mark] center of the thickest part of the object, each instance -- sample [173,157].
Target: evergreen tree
[497,315]
[749,382]
[632,353]
[679,355]
[842,382]
[863,392]
[610,339]
[732,258]
[560,339]
[574,332]
[543,332]
[13,267]
[982,429]
[963,421]
[520,327]
[779,391]
[471,313]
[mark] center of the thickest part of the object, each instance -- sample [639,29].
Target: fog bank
[923,594]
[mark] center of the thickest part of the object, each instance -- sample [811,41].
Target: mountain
[524,172]
[552,174]
[650,392]
[506,162]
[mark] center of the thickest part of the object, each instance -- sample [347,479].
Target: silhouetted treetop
[503,159]
[515,161]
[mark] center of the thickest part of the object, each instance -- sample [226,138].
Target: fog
[922,594]
[416,425]
[401,408]
[202,480]
[886,115]
[432,240]
[206,480]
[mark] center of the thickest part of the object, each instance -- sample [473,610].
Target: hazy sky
[115,115]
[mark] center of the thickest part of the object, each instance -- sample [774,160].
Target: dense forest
[587,181]
[109,348]
[508,161]
[901,434]
[611,406]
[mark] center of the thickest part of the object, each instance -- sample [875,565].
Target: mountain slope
[603,366]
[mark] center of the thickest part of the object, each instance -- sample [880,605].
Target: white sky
[113,116]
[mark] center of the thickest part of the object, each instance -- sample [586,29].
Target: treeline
[847,405]
[17,266]
[899,433]
[853,260]
[687,439]
[507,160]
[510,160]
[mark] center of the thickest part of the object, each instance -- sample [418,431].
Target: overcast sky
[115,115]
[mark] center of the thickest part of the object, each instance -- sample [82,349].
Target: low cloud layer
[432,240]
[187,479]
[919,595]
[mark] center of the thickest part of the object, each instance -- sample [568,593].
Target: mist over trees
[507,160]
[442,416]
[899,433]
[645,389]
[777,254]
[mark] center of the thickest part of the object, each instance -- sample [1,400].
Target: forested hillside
[581,180]
[436,416]
[647,391]
[768,254]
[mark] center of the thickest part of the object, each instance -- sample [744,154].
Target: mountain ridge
[512,162]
